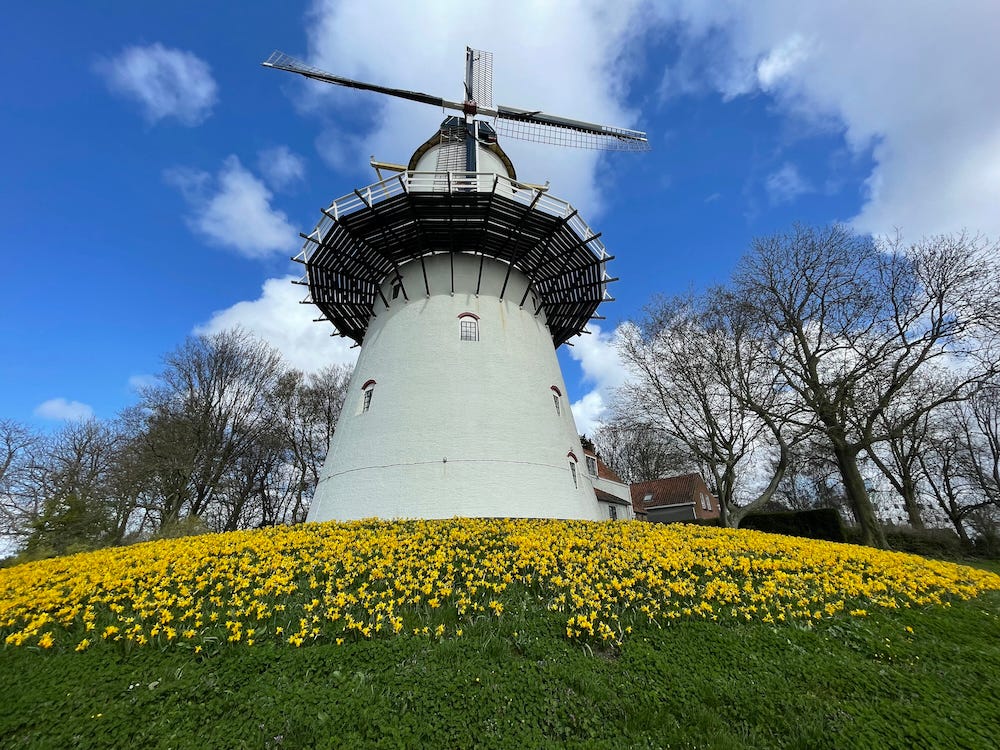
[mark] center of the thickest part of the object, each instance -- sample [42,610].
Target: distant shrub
[820,523]
[183,527]
[987,546]
[943,543]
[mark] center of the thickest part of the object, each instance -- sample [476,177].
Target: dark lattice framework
[366,236]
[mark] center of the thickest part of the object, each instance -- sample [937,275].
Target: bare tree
[850,322]
[811,479]
[981,443]
[702,380]
[19,505]
[637,451]
[907,428]
[208,411]
[76,479]
[308,408]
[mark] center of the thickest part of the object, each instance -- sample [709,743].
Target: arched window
[572,469]
[557,400]
[468,327]
[366,395]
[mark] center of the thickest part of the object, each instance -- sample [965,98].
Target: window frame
[468,321]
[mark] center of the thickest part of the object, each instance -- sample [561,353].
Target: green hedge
[927,542]
[821,523]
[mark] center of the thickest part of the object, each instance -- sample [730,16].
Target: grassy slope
[848,682]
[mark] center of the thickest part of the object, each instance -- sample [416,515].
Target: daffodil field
[339,583]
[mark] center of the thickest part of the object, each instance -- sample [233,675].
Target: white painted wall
[456,428]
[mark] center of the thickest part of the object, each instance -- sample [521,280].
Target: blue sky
[155,177]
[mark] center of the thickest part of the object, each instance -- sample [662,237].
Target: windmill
[459,282]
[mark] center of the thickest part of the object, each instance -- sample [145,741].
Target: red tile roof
[666,491]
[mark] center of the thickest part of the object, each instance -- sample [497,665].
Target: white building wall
[456,428]
[624,509]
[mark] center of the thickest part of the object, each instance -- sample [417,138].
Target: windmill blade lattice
[481,67]
[600,137]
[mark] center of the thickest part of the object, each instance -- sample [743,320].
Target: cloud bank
[277,318]
[603,371]
[906,81]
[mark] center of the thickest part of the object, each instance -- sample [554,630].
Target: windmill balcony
[365,236]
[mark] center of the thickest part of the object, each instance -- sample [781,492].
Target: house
[613,495]
[682,498]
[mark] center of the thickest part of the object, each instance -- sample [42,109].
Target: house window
[468,327]
[612,512]
[592,466]
[572,471]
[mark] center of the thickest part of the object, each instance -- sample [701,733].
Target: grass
[921,673]
[841,684]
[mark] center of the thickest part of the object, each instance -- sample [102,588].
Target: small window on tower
[555,400]
[366,396]
[468,327]
[572,470]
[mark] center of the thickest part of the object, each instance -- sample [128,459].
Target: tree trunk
[857,495]
[909,495]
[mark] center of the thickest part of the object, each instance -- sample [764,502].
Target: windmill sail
[523,124]
[281,61]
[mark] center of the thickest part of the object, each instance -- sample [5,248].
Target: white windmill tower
[460,283]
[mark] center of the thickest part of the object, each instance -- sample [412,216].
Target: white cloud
[785,184]
[908,80]
[234,210]
[281,167]
[278,318]
[602,368]
[589,412]
[782,61]
[140,382]
[165,82]
[63,410]
[568,58]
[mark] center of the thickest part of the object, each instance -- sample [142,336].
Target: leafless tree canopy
[853,344]
[227,438]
